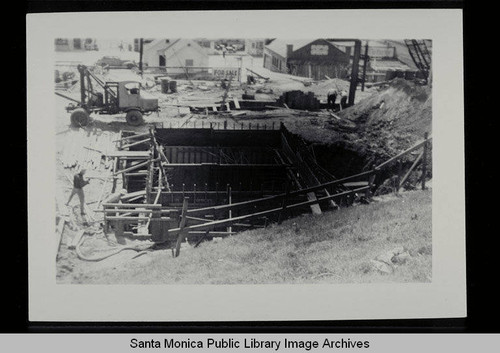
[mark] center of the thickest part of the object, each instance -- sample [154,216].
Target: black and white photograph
[206,160]
[243,160]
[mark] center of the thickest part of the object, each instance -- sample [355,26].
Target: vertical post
[81,69]
[225,124]
[181,227]
[424,160]
[371,180]
[283,204]
[354,71]
[119,232]
[106,222]
[141,52]
[229,201]
[156,225]
[400,172]
[365,62]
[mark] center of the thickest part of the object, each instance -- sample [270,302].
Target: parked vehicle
[114,61]
[115,97]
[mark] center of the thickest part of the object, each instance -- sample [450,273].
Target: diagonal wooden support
[135,143]
[134,167]
[403,180]
[182,225]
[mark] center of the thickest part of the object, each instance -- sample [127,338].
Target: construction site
[179,156]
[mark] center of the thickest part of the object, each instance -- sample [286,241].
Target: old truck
[112,98]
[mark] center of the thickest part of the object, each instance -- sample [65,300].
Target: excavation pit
[195,184]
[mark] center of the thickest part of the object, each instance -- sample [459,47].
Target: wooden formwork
[206,193]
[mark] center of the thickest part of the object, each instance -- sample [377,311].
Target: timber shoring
[171,223]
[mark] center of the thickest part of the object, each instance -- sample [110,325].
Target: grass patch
[335,247]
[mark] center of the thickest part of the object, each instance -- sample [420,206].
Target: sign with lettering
[226,72]
[319,49]
[381,52]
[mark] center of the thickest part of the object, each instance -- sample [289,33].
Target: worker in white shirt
[332,97]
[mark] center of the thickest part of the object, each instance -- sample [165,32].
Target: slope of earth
[386,241]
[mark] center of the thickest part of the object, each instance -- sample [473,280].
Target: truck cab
[130,95]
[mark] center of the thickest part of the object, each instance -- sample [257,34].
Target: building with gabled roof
[314,58]
[178,53]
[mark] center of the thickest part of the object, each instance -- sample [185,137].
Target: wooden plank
[236,103]
[225,222]
[237,205]
[390,160]
[136,143]
[131,211]
[133,194]
[258,75]
[415,163]
[59,232]
[76,239]
[138,154]
[135,218]
[134,167]
[131,137]
[424,162]
[315,208]
[145,205]
[355,184]
[181,227]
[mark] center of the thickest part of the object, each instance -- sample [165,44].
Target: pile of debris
[299,100]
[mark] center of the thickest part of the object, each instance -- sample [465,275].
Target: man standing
[343,99]
[332,97]
[78,183]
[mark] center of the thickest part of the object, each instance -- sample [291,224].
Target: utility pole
[141,50]
[365,62]
[354,71]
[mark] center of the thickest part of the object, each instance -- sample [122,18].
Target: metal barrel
[164,85]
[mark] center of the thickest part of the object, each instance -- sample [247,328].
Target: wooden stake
[181,227]
[424,160]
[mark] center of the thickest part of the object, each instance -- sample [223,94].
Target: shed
[307,58]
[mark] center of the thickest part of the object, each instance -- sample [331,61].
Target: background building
[314,59]
[75,44]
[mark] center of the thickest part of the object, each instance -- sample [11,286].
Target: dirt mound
[399,114]
[380,126]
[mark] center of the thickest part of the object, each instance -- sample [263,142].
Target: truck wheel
[134,118]
[80,117]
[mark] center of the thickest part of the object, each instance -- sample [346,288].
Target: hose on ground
[139,248]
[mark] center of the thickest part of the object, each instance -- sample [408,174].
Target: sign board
[381,52]
[226,72]
[319,49]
